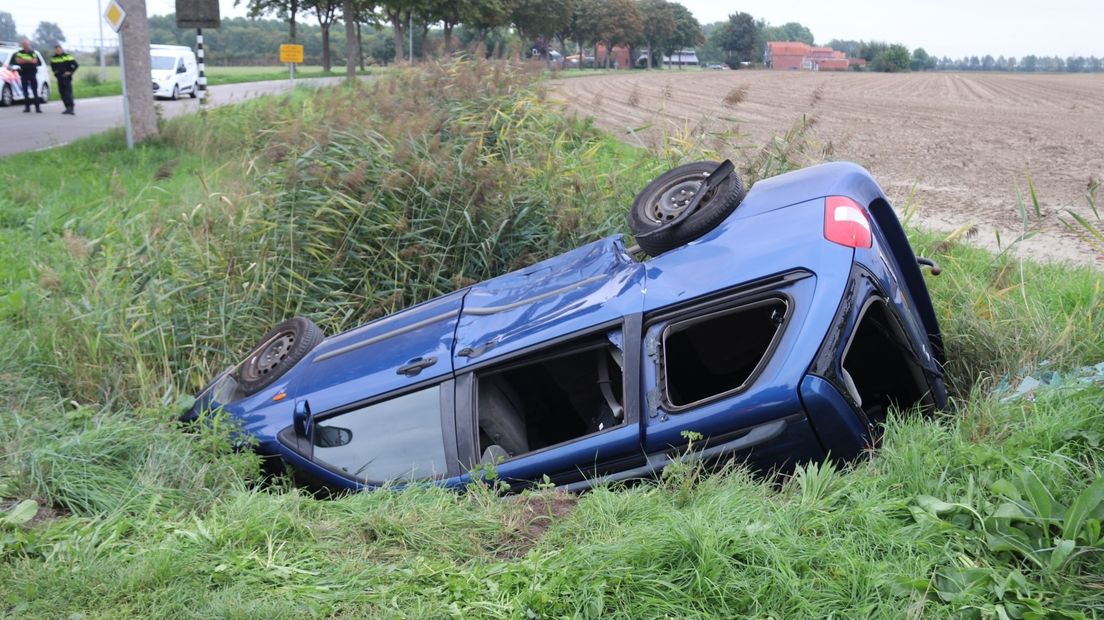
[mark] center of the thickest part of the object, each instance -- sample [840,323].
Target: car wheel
[44,93]
[176,93]
[653,213]
[280,349]
[6,96]
[195,91]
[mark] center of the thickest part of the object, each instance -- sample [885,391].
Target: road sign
[291,53]
[114,15]
[197,14]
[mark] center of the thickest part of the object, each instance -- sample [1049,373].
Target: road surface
[30,132]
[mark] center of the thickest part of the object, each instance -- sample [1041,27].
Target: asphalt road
[30,132]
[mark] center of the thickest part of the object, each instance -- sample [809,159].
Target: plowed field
[965,142]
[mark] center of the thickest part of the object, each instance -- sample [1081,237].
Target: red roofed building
[792,55]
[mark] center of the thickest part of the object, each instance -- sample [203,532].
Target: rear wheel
[6,96]
[279,350]
[665,198]
[44,93]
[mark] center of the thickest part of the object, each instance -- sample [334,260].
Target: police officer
[26,62]
[64,66]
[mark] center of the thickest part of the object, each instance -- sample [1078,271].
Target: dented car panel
[762,338]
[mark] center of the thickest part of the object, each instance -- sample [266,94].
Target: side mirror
[301,419]
[181,69]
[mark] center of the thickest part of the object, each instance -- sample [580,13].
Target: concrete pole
[134,44]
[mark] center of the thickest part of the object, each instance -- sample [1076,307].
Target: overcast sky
[952,28]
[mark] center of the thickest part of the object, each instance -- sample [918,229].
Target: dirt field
[965,142]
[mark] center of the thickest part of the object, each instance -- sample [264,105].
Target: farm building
[678,58]
[793,56]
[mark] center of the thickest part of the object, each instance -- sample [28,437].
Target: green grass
[87,83]
[125,284]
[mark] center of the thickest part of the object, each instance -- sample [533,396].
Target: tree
[7,27]
[739,37]
[869,50]
[894,59]
[326,12]
[538,21]
[449,13]
[659,25]
[135,42]
[791,31]
[849,47]
[284,9]
[921,59]
[352,43]
[688,31]
[48,34]
[615,22]
[482,16]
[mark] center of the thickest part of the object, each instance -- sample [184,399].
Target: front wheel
[44,93]
[652,217]
[176,93]
[279,350]
[6,96]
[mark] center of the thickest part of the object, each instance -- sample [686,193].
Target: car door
[547,364]
[384,392]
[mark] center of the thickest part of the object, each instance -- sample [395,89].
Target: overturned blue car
[780,324]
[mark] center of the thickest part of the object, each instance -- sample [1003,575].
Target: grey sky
[952,28]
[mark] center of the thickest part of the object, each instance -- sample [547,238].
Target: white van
[174,71]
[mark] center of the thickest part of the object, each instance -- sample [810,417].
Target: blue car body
[775,344]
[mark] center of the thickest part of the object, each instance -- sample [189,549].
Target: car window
[160,63]
[397,439]
[552,397]
[719,353]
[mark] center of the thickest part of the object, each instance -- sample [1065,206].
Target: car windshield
[162,63]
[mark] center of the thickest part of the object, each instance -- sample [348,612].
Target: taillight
[846,223]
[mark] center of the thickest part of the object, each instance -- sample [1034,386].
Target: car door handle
[416,365]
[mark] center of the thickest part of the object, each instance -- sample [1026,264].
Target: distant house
[797,56]
[619,56]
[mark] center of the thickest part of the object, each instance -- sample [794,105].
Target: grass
[88,84]
[124,285]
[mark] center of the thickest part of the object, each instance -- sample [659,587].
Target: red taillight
[845,222]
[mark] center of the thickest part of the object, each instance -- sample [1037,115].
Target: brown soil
[531,516]
[964,142]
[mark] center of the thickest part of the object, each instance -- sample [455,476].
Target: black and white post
[202,69]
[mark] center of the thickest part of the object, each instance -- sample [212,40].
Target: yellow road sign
[114,15]
[290,53]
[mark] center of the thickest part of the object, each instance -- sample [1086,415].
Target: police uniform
[64,66]
[28,74]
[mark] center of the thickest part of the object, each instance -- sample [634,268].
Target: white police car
[11,89]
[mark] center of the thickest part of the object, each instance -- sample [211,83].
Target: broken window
[550,398]
[719,353]
[880,367]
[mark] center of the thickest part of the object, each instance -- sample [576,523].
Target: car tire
[195,91]
[279,350]
[6,96]
[176,93]
[649,217]
[44,93]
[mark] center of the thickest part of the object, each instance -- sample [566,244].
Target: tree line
[400,30]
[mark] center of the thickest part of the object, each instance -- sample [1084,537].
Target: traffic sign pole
[115,16]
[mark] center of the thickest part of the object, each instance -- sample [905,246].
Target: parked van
[174,71]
